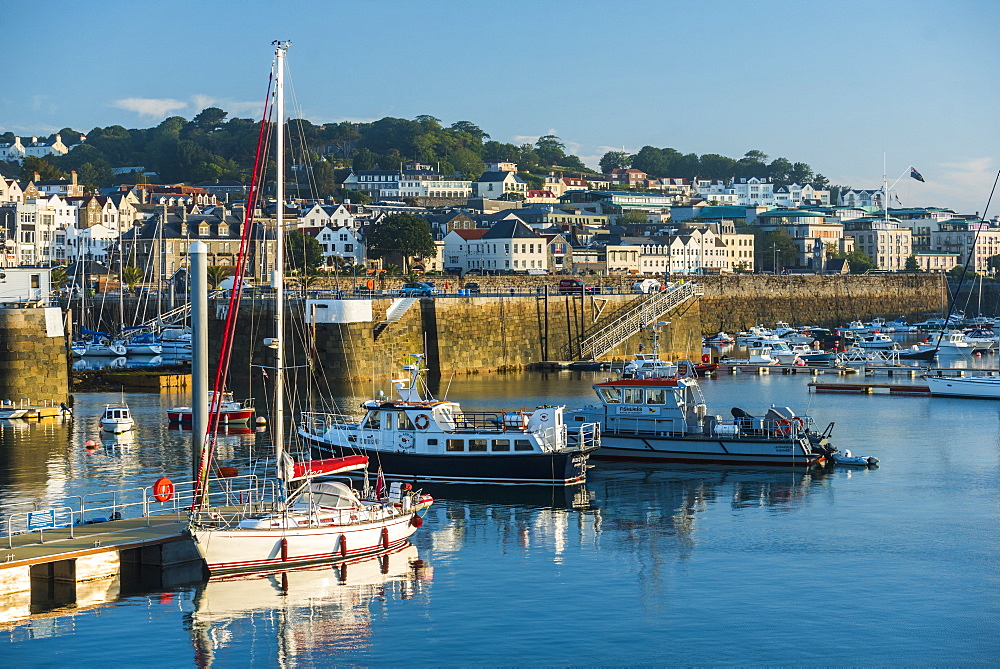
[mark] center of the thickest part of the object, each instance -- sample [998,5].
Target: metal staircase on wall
[178,315]
[394,313]
[649,310]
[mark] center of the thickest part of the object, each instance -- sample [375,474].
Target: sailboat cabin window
[523,445]
[404,422]
[455,445]
[501,444]
[632,396]
[477,444]
[373,421]
[611,395]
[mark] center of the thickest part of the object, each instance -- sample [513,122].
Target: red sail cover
[329,466]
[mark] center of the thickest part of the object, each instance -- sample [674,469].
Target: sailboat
[309,520]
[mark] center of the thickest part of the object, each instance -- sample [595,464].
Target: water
[642,565]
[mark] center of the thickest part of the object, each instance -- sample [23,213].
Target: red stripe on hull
[790,462]
[319,557]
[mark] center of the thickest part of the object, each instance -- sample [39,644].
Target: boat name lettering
[628,409]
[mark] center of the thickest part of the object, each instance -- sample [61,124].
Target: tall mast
[278,278]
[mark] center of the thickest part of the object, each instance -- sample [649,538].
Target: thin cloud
[155,107]
[200,101]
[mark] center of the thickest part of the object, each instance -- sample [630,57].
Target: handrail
[640,316]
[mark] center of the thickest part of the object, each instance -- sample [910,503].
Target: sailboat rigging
[303,520]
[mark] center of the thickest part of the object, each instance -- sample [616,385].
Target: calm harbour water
[644,565]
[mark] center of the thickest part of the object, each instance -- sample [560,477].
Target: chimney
[37,178]
[72,174]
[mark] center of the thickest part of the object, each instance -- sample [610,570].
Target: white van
[646,286]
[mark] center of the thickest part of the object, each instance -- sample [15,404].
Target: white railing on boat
[736,428]
[248,492]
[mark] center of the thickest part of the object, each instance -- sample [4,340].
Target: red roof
[475,233]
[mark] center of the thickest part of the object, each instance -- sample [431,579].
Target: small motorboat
[845,457]
[117,418]
[230,410]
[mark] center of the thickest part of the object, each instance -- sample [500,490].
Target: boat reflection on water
[538,496]
[324,606]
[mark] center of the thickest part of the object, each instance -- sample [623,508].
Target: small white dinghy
[847,458]
[117,418]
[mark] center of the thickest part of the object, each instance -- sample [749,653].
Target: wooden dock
[892,389]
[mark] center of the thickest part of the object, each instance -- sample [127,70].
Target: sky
[846,87]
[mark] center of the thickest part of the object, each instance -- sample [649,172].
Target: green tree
[400,235]
[470,128]
[46,171]
[58,277]
[858,261]
[958,273]
[633,217]
[131,275]
[550,150]
[303,254]
[912,264]
[993,263]
[775,249]
[615,160]
[216,273]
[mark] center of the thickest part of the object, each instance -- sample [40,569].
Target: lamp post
[774,262]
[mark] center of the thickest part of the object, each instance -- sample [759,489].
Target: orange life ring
[369,284]
[422,421]
[705,357]
[801,422]
[784,427]
[163,490]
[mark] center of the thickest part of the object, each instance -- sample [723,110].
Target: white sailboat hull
[983,387]
[234,548]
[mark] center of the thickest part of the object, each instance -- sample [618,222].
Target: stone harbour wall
[489,333]
[33,366]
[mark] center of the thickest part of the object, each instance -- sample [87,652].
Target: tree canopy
[303,254]
[400,235]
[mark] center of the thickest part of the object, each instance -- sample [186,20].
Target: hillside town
[622,222]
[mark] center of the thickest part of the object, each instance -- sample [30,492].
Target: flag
[915,174]
[379,485]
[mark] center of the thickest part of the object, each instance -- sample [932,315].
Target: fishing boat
[117,418]
[667,420]
[419,438]
[308,520]
[229,409]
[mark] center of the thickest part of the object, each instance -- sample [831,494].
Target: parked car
[646,286]
[418,289]
[575,286]
[472,287]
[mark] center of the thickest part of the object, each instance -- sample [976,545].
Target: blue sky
[832,84]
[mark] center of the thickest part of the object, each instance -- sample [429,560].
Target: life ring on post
[163,490]
[784,427]
[370,285]
[422,421]
[705,357]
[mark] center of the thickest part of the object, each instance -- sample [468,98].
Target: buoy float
[163,489]
[261,420]
[91,443]
[416,521]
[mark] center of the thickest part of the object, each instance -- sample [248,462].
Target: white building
[339,242]
[36,230]
[332,216]
[508,247]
